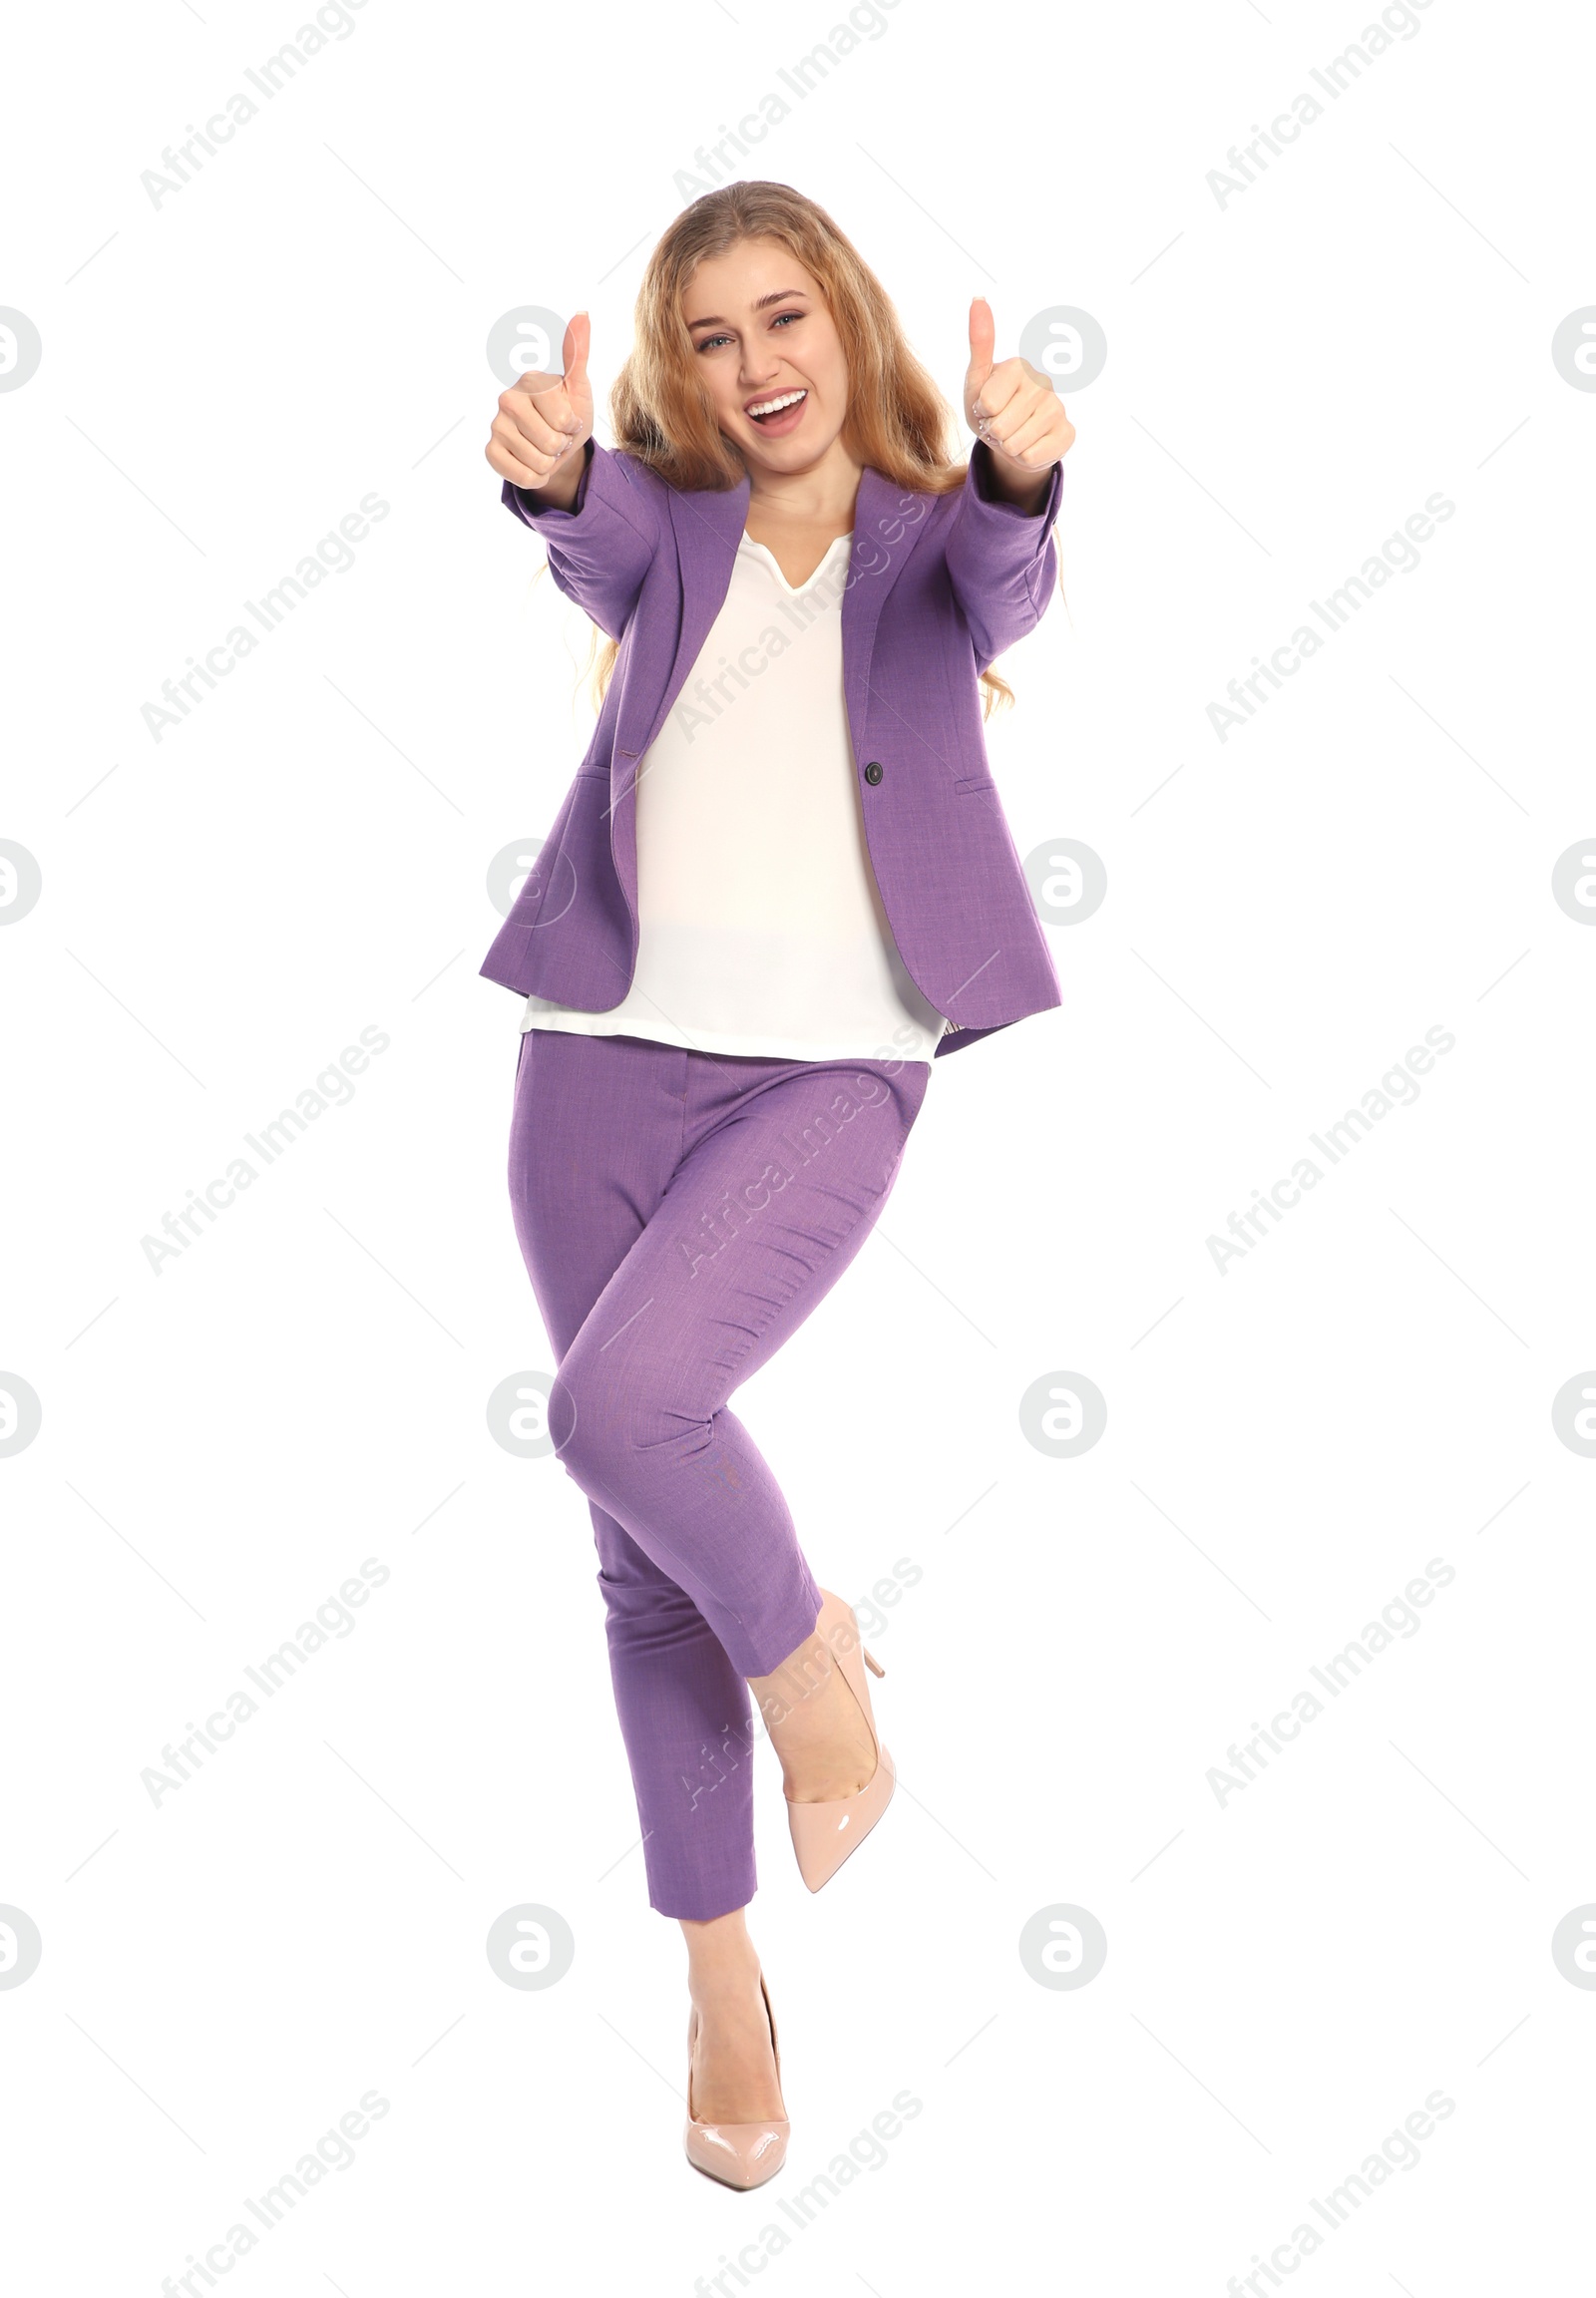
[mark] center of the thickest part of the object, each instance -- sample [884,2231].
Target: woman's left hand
[1010,403]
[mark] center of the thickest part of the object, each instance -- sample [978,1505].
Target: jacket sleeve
[1001,560]
[602,547]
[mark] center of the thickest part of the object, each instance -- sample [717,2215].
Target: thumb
[573,352]
[982,338]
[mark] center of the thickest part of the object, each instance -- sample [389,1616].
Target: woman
[780,886]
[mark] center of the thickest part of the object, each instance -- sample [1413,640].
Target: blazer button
[874,771]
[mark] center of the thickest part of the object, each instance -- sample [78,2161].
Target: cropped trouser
[680,1213]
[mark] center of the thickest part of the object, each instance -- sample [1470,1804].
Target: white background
[1288,1973]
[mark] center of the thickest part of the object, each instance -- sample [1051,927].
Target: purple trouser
[680,1213]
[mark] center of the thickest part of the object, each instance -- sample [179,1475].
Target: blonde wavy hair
[661,410]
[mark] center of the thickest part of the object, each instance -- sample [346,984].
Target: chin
[794,454]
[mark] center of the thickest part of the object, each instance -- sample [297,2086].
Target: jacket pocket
[976,782]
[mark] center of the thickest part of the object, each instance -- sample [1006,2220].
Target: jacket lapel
[709,525]
[883,540]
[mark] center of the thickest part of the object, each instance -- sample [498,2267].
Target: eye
[713,339]
[780,316]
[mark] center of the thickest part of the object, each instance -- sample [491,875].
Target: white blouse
[761,926]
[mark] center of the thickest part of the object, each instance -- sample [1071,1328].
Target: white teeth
[769,406]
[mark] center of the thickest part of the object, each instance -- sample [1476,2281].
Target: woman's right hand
[543,421]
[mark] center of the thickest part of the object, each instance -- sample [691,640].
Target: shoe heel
[870,1662]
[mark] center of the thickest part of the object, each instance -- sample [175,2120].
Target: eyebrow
[780,295]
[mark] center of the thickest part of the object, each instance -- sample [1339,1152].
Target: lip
[788,419]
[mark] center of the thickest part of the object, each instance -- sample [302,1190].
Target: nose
[756,372]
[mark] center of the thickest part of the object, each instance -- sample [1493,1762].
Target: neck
[823,493]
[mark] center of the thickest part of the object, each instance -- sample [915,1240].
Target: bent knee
[605,1417]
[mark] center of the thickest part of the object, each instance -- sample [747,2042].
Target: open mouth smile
[779,412]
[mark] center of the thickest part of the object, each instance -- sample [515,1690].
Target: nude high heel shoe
[740,2155]
[822,1834]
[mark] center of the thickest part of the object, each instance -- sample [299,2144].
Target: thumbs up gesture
[1012,406]
[543,421]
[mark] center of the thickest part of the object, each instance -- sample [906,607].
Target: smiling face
[762,333]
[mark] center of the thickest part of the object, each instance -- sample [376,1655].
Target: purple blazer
[937,586]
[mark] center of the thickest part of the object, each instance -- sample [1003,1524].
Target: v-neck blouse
[761,928]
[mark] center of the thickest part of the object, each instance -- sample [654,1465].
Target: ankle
[722,1961]
[788,1694]
[724,1978]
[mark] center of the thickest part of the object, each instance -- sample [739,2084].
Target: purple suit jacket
[937,586]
